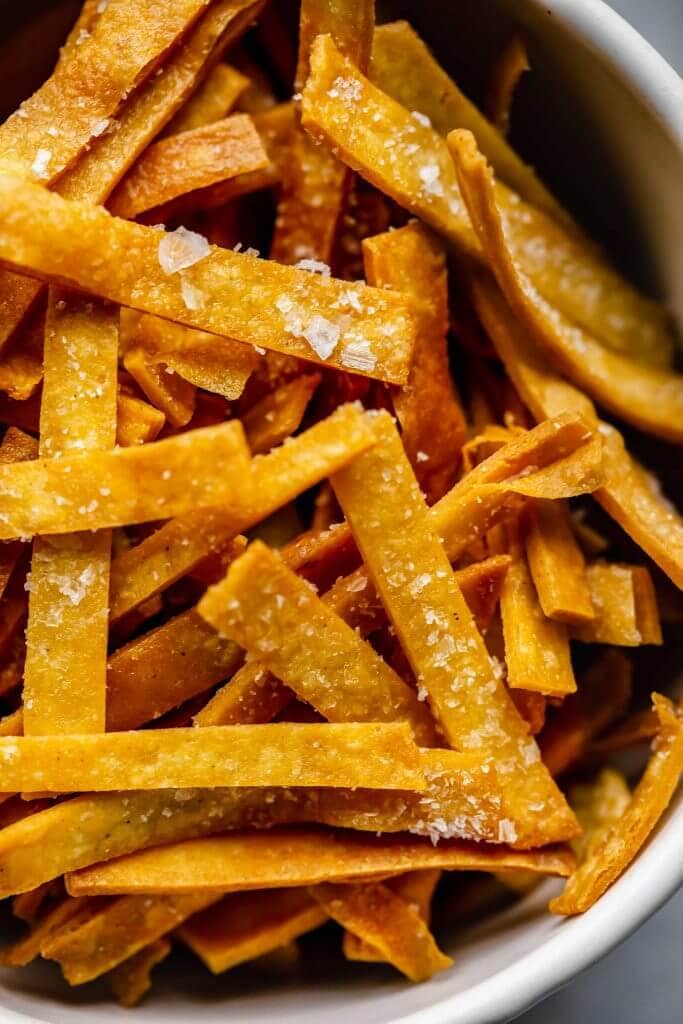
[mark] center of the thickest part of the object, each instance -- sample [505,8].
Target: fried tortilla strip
[27,948]
[100,168]
[388,923]
[16,447]
[131,980]
[619,593]
[403,67]
[252,695]
[311,316]
[557,564]
[27,906]
[510,64]
[537,654]
[280,858]
[245,925]
[263,606]
[181,544]
[98,940]
[603,696]
[416,888]
[276,416]
[647,397]
[433,429]
[598,804]
[95,490]
[639,727]
[189,162]
[171,395]
[66,634]
[628,493]
[374,755]
[409,566]
[21,362]
[137,422]
[381,139]
[212,101]
[611,855]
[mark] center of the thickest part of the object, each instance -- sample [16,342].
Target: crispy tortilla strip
[281,621]
[27,948]
[639,727]
[388,923]
[433,429]
[131,980]
[189,162]
[95,941]
[537,654]
[277,415]
[598,804]
[283,754]
[181,544]
[171,395]
[649,398]
[403,67]
[21,361]
[626,608]
[395,534]
[95,490]
[349,23]
[279,858]
[628,493]
[213,100]
[27,905]
[603,696]
[510,64]
[611,855]
[66,634]
[360,120]
[557,564]
[416,888]
[137,422]
[252,695]
[220,291]
[16,447]
[243,926]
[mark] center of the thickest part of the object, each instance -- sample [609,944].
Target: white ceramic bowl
[607,102]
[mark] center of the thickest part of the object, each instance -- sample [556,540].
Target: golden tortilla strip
[557,564]
[598,804]
[626,608]
[433,429]
[21,361]
[67,630]
[96,941]
[509,66]
[639,727]
[213,100]
[179,276]
[276,416]
[252,695]
[245,925]
[416,888]
[404,67]
[350,24]
[278,477]
[388,923]
[131,980]
[263,606]
[379,755]
[95,490]
[137,422]
[16,447]
[360,120]
[648,397]
[27,948]
[279,858]
[409,566]
[628,493]
[27,906]
[171,395]
[616,848]
[187,163]
[537,655]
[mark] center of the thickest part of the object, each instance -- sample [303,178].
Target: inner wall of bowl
[593,139]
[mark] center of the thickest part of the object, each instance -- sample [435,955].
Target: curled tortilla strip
[381,139]
[283,754]
[388,923]
[212,101]
[616,848]
[557,564]
[510,64]
[95,490]
[284,857]
[648,397]
[137,422]
[179,276]
[170,394]
[625,604]
[416,888]
[638,727]
[245,925]
[279,414]
[132,978]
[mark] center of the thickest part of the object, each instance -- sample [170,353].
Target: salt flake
[181,249]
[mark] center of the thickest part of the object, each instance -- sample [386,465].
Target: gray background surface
[642,981]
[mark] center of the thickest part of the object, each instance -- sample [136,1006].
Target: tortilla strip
[395,534]
[611,855]
[276,416]
[181,544]
[509,66]
[66,634]
[360,120]
[21,361]
[212,101]
[171,395]
[27,948]
[417,889]
[16,447]
[137,422]
[649,398]
[282,754]
[598,804]
[433,429]
[245,925]
[557,564]
[639,727]
[626,608]
[130,980]
[218,290]
[281,620]
[95,490]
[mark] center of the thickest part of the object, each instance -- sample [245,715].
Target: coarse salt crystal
[40,164]
[422,457]
[322,336]
[193,297]
[421,118]
[430,176]
[181,249]
[345,88]
[315,267]
[357,355]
